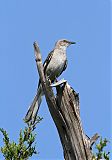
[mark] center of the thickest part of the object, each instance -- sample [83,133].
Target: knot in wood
[37,59]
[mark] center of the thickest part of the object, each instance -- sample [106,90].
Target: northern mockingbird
[54,65]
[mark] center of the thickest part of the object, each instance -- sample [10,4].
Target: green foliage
[25,147]
[101,154]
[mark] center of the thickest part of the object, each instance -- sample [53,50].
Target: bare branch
[65,111]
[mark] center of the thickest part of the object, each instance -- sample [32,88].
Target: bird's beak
[72,42]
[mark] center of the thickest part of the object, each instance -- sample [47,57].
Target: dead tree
[65,111]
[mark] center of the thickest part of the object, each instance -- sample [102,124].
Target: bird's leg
[55,81]
[49,80]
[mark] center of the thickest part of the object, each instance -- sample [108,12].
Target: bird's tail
[34,107]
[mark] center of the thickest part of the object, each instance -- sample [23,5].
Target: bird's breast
[56,65]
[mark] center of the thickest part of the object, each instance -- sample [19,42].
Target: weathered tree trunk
[65,111]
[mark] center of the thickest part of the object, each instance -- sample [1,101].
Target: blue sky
[86,22]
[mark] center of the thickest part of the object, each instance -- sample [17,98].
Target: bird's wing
[46,62]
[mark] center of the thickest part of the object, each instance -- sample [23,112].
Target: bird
[55,63]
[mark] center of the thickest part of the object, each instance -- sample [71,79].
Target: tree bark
[65,111]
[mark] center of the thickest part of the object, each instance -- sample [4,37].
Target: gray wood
[65,111]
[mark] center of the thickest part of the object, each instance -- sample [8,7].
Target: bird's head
[63,44]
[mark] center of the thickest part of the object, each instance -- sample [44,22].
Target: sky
[88,24]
